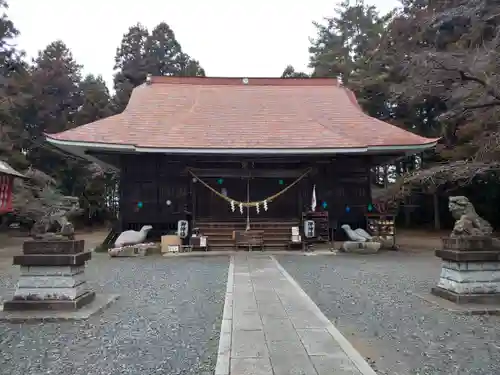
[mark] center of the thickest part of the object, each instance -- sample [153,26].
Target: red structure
[7,175]
[6,193]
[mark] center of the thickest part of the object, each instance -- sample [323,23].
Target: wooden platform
[220,234]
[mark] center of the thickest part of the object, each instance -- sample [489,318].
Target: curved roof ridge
[243,81]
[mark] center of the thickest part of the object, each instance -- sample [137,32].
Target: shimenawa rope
[255,203]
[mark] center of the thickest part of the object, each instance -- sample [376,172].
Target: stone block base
[52,259]
[486,299]
[52,276]
[463,308]
[360,247]
[62,305]
[51,283]
[135,250]
[99,303]
[53,247]
[469,275]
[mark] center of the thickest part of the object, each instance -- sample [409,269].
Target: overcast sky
[244,38]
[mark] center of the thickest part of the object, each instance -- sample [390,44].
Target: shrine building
[228,153]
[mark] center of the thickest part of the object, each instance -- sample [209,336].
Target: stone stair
[220,234]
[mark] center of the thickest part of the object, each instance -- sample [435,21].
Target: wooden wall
[155,179]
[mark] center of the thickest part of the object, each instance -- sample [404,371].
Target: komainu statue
[468,222]
[357,235]
[55,224]
[133,237]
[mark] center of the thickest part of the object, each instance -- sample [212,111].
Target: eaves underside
[226,150]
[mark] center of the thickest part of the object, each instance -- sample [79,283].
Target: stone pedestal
[360,247]
[52,276]
[138,250]
[470,272]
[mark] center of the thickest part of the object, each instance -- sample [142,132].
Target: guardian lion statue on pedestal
[468,222]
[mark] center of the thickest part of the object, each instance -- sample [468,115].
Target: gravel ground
[370,299]
[166,321]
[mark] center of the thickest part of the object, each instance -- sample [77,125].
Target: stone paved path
[271,327]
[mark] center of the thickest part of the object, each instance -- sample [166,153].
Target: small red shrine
[7,176]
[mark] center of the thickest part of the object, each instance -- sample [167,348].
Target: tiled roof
[235,113]
[8,170]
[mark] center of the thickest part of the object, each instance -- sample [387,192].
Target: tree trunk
[407,211]
[437,219]
[3,222]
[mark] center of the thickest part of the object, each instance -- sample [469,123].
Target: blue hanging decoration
[281,182]
[140,204]
[220,181]
[347,209]
[370,207]
[324,205]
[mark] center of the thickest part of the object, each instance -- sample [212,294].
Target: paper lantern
[6,193]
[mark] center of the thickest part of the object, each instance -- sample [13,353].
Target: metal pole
[248,200]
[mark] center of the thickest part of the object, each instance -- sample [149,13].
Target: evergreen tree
[55,99]
[13,95]
[96,101]
[142,53]
[344,41]
[290,72]
[163,52]
[131,64]
[55,88]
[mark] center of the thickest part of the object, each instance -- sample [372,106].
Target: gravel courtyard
[370,299]
[166,321]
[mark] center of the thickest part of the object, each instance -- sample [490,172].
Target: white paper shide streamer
[313,202]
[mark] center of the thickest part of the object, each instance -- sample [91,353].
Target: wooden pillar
[121,199]
[435,204]
[300,197]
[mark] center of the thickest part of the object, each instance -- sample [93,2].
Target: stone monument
[470,271]
[52,269]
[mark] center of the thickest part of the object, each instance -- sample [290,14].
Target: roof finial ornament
[148,78]
[339,80]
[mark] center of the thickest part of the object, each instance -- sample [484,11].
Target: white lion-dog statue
[360,241]
[132,237]
[357,235]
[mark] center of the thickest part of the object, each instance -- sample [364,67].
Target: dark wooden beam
[111,159]
[245,173]
[199,161]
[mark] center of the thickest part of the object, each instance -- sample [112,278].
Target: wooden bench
[249,239]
